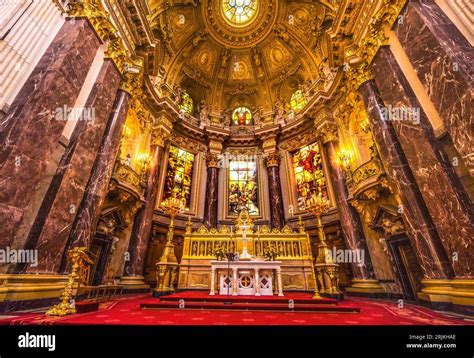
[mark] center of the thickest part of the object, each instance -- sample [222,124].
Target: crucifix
[245,254]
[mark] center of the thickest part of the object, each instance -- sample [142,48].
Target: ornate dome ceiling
[253,53]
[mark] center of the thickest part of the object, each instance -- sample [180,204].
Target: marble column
[446,199]
[62,202]
[354,238]
[280,283]
[257,282]
[277,215]
[143,221]
[442,58]
[213,282]
[55,83]
[420,228]
[212,192]
[235,282]
[84,227]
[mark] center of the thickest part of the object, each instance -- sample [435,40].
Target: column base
[134,284]
[369,288]
[456,295]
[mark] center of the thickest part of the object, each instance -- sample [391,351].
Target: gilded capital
[158,138]
[328,133]
[272,160]
[212,160]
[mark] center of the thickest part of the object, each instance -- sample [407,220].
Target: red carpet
[127,311]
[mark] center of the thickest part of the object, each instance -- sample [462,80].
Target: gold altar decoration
[293,250]
[325,267]
[167,265]
[79,258]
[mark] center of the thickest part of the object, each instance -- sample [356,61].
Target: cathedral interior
[155,152]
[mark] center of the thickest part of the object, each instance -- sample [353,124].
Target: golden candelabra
[167,265]
[326,270]
[79,258]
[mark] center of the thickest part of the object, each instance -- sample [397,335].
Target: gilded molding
[100,20]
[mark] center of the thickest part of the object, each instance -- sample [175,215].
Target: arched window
[242,116]
[309,174]
[243,186]
[298,101]
[187,103]
[179,175]
[239,12]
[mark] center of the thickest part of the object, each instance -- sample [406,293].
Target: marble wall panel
[444,195]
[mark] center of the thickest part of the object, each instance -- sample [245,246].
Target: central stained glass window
[243,187]
[309,174]
[240,12]
[242,116]
[179,175]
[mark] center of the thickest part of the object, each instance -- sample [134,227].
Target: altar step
[248,299]
[288,303]
[253,306]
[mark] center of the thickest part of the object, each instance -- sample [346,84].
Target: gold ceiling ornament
[245,34]
[95,12]
[79,258]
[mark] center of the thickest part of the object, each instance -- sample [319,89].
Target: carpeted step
[249,299]
[252,306]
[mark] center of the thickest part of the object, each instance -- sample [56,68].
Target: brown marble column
[143,221]
[446,199]
[443,60]
[421,230]
[52,226]
[30,133]
[84,226]
[350,221]
[277,214]
[212,191]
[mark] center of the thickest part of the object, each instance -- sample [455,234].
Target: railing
[364,172]
[123,173]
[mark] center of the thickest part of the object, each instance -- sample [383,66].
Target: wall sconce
[144,159]
[127,132]
[345,158]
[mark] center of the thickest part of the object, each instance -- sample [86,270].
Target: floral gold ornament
[79,259]
[326,271]
[167,265]
[270,252]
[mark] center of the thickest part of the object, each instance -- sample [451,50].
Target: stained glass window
[243,187]
[179,175]
[298,101]
[309,174]
[187,103]
[242,116]
[239,12]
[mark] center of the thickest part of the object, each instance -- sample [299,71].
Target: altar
[248,278]
[290,268]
